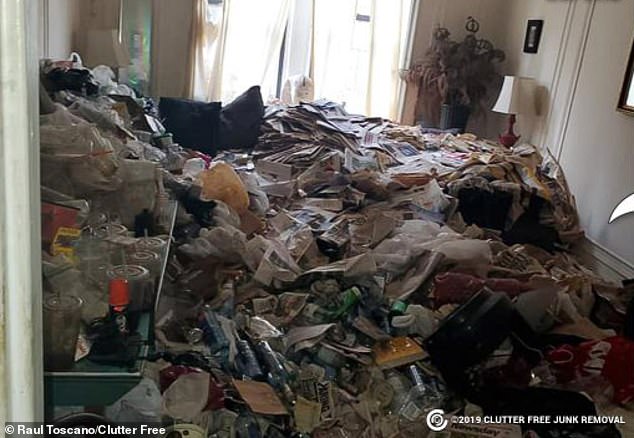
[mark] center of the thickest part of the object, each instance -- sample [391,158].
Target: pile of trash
[351,277]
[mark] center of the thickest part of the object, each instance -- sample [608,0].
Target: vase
[454,116]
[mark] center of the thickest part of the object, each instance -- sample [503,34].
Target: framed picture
[626,98]
[533,35]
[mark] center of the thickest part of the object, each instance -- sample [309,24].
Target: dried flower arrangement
[455,75]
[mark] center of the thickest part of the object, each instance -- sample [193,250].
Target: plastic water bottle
[276,374]
[246,361]
[214,336]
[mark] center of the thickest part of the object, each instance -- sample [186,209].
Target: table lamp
[517,96]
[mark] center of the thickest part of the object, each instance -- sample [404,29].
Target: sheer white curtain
[207,43]
[352,49]
[252,50]
[359,47]
[237,47]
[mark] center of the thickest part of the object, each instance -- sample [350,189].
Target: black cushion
[240,120]
[193,124]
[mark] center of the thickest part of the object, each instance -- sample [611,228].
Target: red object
[457,288]
[509,139]
[119,293]
[53,217]
[611,358]
[510,286]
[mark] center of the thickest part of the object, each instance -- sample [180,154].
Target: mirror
[626,100]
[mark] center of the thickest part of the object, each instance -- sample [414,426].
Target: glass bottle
[420,397]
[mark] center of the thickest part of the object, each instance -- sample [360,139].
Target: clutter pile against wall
[342,277]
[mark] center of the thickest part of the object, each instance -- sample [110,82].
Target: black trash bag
[543,402]
[483,208]
[529,229]
[73,79]
[193,124]
[240,121]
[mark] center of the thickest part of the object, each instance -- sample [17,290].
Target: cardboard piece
[261,397]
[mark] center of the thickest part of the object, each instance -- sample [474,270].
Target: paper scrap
[261,397]
[301,334]
[307,414]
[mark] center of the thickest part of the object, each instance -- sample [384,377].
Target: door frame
[21,365]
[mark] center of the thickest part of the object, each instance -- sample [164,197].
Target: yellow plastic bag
[221,183]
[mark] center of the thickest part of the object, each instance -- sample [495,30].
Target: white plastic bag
[142,404]
[466,252]
[407,242]
[186,398]
[226,243]
[258,200]
[225,216]
[193,167]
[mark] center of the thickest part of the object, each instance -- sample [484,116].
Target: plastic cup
[62,319]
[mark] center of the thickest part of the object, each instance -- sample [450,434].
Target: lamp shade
[517,96]
[104,48]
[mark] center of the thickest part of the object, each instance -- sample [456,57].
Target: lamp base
[509,138]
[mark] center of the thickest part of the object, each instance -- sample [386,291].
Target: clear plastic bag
[137,191]
[73,139]
[258,200]
[226,243]
[225,216]
[61,117]
[102,115]
[81,175]
[395,254]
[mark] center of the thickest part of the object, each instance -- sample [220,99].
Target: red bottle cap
[119,292]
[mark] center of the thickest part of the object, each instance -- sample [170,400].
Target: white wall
[58,20]
[171,36]
[598,148]
[581,60]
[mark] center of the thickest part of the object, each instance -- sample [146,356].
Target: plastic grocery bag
[226,243]
[73,139]
[220,182]
[466,252]
[186,398]
[258,200]
[396,253]
[142,404]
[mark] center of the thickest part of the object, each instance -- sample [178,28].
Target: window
[352,49]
